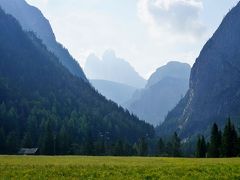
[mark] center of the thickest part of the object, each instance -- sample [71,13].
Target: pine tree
[160,147]
[2,141]
[62,142]
[89,146]
[12,117]
[12,143]
[229,141]
[201,147]
[48,144]
[27,141]
[215,142]
[238,147]
[142,147]
[128,150]
[118,149]
[176,145]
[169,148]
[2,110]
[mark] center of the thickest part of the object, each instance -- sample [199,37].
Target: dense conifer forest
[221,144]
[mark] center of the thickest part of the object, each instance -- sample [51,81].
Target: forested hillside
[43,105]
[32,19]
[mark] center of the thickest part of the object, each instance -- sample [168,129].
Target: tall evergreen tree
[100,146]
[12,143]
[62,142]
[27,141]
[160,147]
[142,147]
[48,144]
[118,148]
[2,111]
[238,147]
[128,150]
[89,146]
[201,147]
[176,145]
[229,140]
[215,142]
[2,141]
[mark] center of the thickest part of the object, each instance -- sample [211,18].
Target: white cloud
[176,19]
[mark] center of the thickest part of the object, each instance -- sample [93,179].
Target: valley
[123,101]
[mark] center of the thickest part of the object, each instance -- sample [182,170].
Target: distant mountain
[43,105]
[31,19]
[112,68]
[163,91]
[117,92]
[172,69]
[214,93]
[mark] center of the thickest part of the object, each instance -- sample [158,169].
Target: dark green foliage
[2,141]
[176,145]
[229,141]
[201,147]
[118,148]
[238,147]
[12,143]
[215,142]
[169,147]
[142,147]
[161,149]
[226,145]
[48,140]
[89,147]
[62,142]
[27,141]
[43,105]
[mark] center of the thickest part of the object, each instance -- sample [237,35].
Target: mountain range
[163,91]
[214,93]
[114,69]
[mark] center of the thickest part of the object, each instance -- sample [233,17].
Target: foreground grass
[80,167]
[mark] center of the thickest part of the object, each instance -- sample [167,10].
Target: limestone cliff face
[214,92]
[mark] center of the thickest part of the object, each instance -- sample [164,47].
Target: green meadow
[81,167]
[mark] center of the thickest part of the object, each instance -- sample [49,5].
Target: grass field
[69,167]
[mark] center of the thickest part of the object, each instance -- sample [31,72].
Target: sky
[146,33]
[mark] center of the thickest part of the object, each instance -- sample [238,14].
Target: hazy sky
[147,33]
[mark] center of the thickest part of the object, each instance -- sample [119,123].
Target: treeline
[74,135]
[221,144]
